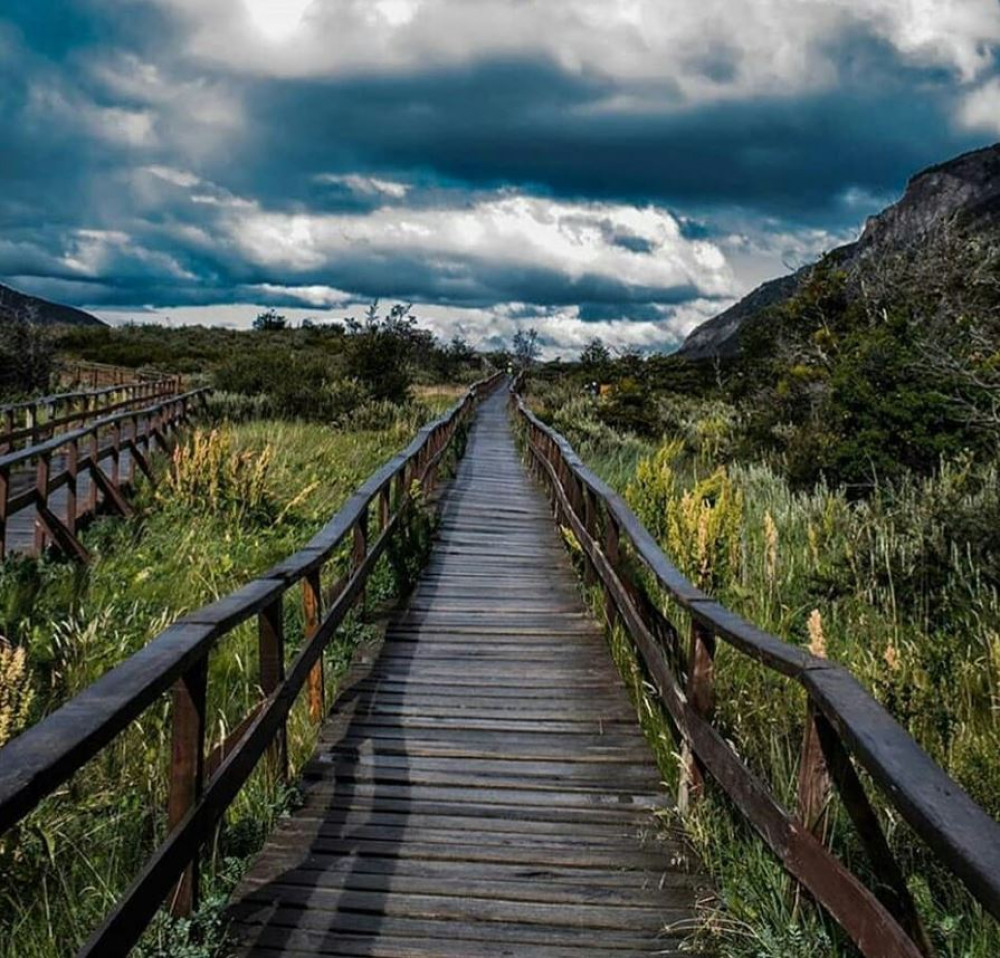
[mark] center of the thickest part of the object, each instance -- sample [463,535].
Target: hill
[17,305]
[945,227]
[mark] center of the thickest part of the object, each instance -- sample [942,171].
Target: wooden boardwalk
[21,525]
[482,787]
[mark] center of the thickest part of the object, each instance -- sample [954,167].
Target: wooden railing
[82,373]
[28,423]
[36,763]
[845,727]
[80,453]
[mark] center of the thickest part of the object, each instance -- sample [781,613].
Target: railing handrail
[43,757]
[86,393]
[128,373]
[50,446]
[963,836]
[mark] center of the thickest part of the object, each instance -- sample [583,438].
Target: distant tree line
[318,371]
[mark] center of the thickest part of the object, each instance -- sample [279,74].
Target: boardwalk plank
[484,790]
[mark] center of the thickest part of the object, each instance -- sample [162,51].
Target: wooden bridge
[482,788]
[67,456]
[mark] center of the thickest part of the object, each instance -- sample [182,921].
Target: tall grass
[239,499]
[901,588]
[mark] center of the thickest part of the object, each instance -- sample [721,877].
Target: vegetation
[239,498]
[838,486]
[26,357]
[320,372]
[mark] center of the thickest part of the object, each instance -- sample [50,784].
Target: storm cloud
[589,167]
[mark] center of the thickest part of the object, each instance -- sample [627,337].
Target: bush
[16,692]
[27,360]
[208,474]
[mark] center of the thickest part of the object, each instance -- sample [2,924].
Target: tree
[596,357]
[270,321]
[526,348]
[27,359]
[381,349]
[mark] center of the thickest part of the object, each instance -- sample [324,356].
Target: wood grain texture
[482,786]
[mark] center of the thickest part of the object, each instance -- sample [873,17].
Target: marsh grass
[241,498]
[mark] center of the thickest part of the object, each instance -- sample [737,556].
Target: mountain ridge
[42,312]
[958,197]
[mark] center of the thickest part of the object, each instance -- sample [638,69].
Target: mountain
[949,213]
[16,305]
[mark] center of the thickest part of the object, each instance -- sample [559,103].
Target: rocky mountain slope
[949,207]
[16,305]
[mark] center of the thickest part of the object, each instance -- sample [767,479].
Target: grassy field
[271,485]
[899,587]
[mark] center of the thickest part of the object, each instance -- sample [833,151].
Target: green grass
[67,863]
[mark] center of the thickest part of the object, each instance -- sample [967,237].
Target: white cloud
[180,178]
[489,246]
[364,185]
[276,19]
[50,102]
[713,49]
[100,254]
[981,108]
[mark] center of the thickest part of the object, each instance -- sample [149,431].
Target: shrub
[16,693]
[700,526]
[209,474]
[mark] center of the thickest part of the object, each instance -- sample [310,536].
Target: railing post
[701,697]
[612,551]
[271,647]
[4,494]
[116,454]
[312,604]
[31,422]
[134,445]
[42,494]
[590,524]
[814,782]
[892,889]
[384,507]
[401,486]
[358,553]
[95,465]
[72,458]
[187,771]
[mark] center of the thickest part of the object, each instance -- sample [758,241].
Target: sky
[615,168]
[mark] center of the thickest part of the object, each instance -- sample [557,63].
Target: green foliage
[595,359]
[270,321]
[831,389]
[208,475]
[701,526]
[380,352]
[317,372]
[26,358]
